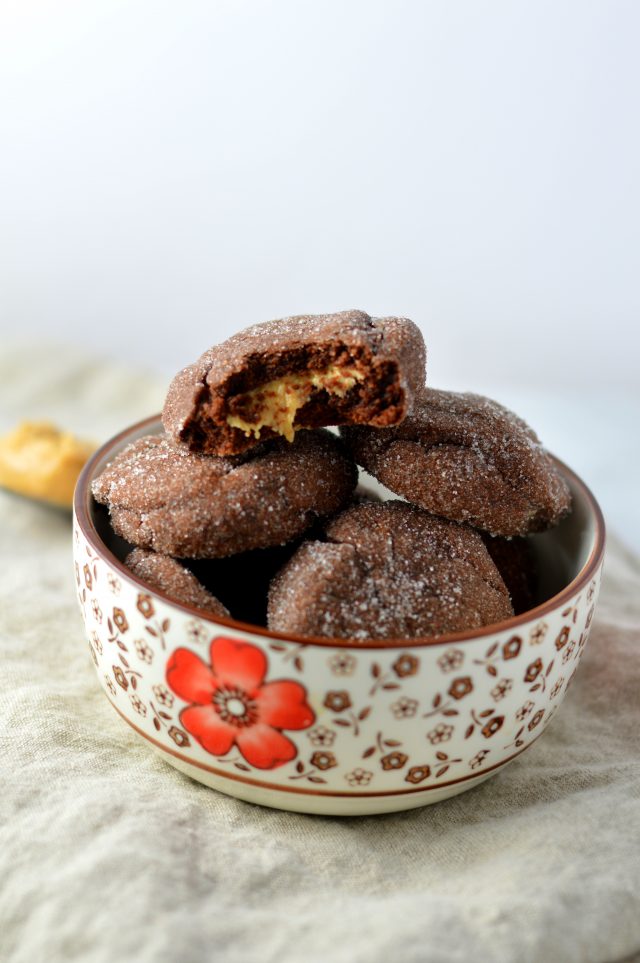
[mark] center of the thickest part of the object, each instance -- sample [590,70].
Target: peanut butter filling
[275,404]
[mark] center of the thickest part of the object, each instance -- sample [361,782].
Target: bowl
[332,726]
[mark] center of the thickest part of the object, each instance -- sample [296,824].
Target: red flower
[232,705]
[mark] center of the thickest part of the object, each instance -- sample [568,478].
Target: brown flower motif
[97,611]
[138,704]
[394,760]
[179,737]
[563,637]
[144,605]
[120,620]
[342,664]
[461,687]
[500,690]
[479,758]
[417,774]
[512,648]
[405,665]
[589,617]
[120,677]
[145,652]
[323,760]
[337,701]
[196,632]
[95,641]
[404,708]
[568,652]
[441,733]
[538,633]
[321,736]
[524,711]
[359,777]
[88,578]
[556,688]
[162,694]
[450,660]
[492,726]
[113,583]
[536,719]
[533,671]
[110,686]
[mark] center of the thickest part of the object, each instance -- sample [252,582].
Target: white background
[170,172]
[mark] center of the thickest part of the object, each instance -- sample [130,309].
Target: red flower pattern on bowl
[232,705]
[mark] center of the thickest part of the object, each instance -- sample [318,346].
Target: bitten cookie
[299,372]
[166,575]
[166,498]
[466,458]
[388,571]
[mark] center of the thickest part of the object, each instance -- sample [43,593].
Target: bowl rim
[82,498]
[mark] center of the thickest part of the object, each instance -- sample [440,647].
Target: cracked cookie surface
[469,459]
[388,570]
[179,503]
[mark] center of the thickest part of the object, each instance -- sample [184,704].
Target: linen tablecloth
[107,853]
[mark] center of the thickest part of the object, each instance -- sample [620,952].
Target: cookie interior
[307,387]
[275,405]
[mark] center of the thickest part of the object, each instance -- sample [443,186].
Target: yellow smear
[40,461]
[276,403]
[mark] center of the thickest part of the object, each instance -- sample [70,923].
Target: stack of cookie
[247,465]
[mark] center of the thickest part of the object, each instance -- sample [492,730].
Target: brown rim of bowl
[81,503]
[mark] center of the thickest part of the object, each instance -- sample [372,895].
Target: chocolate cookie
[466,458]
[166,575]
[164,497]
[388,571]
[300,372]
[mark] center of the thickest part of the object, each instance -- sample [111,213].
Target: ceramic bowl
[326,725]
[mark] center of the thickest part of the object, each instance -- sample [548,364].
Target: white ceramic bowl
[326,725]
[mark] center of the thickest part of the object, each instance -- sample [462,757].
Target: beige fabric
[108,854]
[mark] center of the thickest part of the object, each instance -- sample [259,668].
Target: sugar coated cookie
[388,571]
[307,371]
[164,497]
[466,458]
[165,574]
